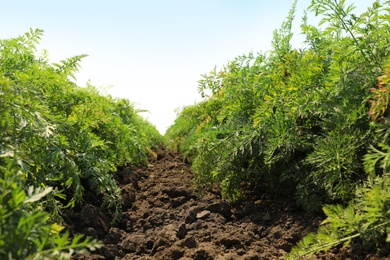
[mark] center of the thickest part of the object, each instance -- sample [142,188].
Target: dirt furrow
[164,219]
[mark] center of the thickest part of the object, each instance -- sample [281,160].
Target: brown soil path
[163,219]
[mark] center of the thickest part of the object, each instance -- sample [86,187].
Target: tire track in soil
[163,219]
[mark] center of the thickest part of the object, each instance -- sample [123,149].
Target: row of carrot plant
[310,122]
[58,140]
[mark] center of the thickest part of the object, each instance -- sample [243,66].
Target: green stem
[331,244]
[341,14]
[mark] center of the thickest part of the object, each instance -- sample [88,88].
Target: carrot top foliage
[312,122]
[60,138]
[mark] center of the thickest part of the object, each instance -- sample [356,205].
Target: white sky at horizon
[148,51]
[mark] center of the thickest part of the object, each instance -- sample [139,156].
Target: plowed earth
[164,219]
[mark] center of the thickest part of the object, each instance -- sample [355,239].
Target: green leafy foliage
[25,232]
[64,136]
[367,216]
[312,121]
[293,119]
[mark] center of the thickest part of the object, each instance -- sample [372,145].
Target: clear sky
[151,52]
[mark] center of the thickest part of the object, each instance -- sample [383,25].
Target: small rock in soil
[203,214]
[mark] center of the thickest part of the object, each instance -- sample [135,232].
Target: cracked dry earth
[164,219]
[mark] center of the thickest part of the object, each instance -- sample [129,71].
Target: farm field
[287,156]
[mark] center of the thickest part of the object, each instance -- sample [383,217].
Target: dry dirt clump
[164,219]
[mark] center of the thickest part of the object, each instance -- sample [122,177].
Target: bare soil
[164,219]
